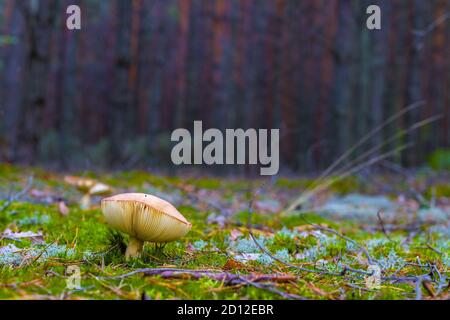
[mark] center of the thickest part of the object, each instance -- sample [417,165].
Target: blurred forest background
[110,95]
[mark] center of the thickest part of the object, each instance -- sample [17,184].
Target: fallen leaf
[233,265]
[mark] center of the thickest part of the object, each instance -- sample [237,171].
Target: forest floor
[391,229]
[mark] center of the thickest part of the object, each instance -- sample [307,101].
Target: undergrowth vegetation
[321,252]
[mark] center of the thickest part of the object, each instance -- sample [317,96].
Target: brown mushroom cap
[145,217]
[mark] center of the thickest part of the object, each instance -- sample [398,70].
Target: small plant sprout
[89,188]
[145,218]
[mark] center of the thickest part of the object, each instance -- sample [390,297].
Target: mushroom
[145,218]
[89,188]
[99,189]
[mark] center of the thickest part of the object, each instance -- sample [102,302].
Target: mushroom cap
[100,189]
[145,217]
[82,184]
[89,186]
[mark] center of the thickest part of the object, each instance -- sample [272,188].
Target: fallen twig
[264,250]
[317,271]
[364,250]
[413,227]
[433,25]
[417,280]
[255,280]
[382,226]
[226,277]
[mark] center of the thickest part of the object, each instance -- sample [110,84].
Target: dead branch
[317,271]
[226,277]
[364,250]
[256,280]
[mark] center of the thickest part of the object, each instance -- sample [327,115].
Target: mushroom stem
[85,202]
[134,248]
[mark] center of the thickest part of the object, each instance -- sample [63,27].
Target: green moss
[440,160]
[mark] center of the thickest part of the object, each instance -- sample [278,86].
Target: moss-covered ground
[415,249]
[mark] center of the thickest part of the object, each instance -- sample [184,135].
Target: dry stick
[361,166]
[371,261]
[419,288]
[364,250]
[330,169]
[370,135]
[229,278]
[357,145]
[39,255]
[317,185]
[346,174]
[323,186]
[391,278]
[434,249]
[382,226]
[18,195]
[391,227]
[322,272]
[429,288]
